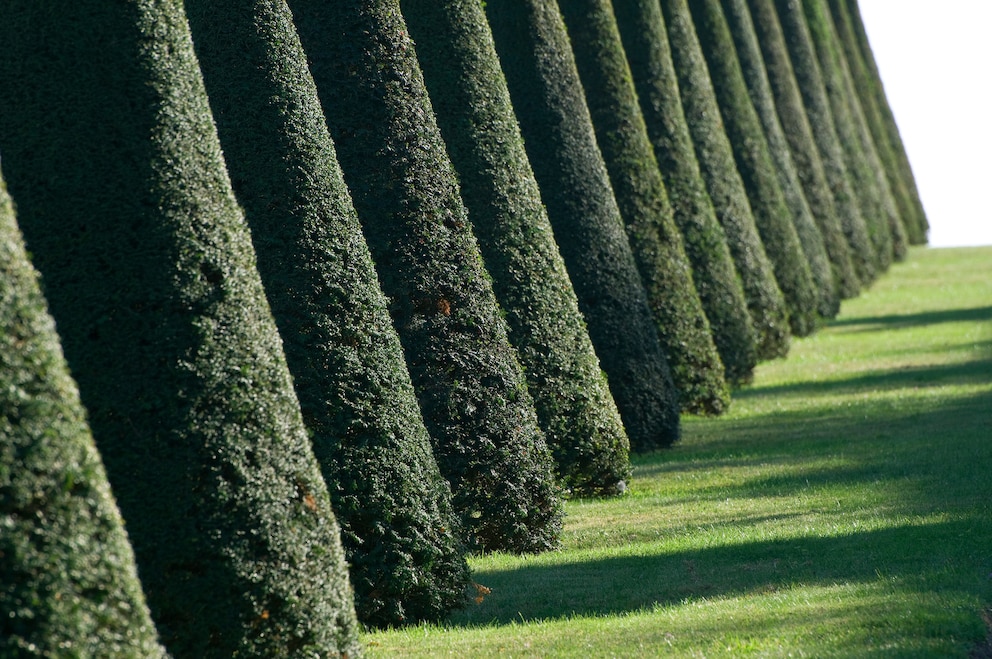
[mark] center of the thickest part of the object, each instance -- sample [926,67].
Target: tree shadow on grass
[900,321]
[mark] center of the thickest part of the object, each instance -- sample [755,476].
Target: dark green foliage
[68,582]
[470,385]
[847,19]
[643,201]
[877,204]
[759,90]
[802,144]
[642,30]
[716,160]
[472,104]
[821,120]
[561,144]
[400,535]
[755,165]
[149,269]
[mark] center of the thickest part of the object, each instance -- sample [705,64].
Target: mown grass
[842,508]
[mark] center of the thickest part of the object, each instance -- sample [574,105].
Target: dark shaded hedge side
[755,165]
[148,265]
[642,31]
[821,120]
[544,85]
[877,204]
[847,18]
[471,388]
[472,103]
[400,535]
[716,159]
[68,582]
[643,201]
[759,91]
[802,144]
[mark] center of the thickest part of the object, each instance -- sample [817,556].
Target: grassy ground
[842,508]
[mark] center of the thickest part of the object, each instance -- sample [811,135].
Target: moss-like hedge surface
[643,201]
[759,90]
[756,167]
[400,534]
[68,581]
[544,85]
[642,30]
[470,385]
[723,181]
[472,103]
[123,198]
[802,144]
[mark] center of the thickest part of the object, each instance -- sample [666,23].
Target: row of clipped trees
[348,290]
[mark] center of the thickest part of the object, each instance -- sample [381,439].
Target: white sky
[935,58]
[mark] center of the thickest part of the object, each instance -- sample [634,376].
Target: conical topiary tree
[68,582]
[470,385]
[847,18]
[877,205]
[802,144]
[472,103]
[821,120]
[544,85]
[125,202]
[643,201]
[642,31]
[399,532]
[755,166]
[759,90]
[716,159]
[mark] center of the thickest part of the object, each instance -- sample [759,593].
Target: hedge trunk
[472,104]
[821,120]
[68,581]
[847,18]
[760,93]
[470,385]
[642,30]
[544,85]
[126,204]
[764,297]
[802,144]
[399,532]
[755,165]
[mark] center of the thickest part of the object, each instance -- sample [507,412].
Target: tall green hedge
[643,201]
[759,90]
[871,93]
[877,205]
[149,270]
[764,297]
[68,582]
[544,85]
[755,166]
[802,144]
[642,30]
[472,103]
[470,385]
[821,120]
[400,535]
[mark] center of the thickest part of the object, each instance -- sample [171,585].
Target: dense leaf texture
[472,104]
[148,264]
[557,129]
[642,30]
[397,526]
[723,181]
[640,193]
[68,581]
[470,385]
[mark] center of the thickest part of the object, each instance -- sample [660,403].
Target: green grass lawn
[842,508]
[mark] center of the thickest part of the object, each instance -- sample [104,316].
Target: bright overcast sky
[935,57]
